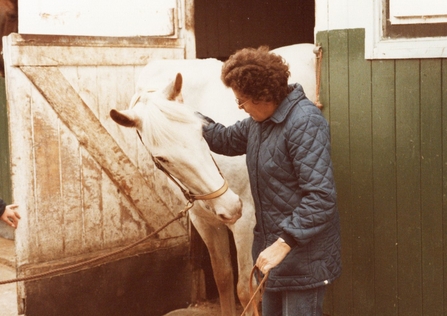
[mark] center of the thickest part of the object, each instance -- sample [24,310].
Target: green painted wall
[5,181]
[389,146]
[5,178]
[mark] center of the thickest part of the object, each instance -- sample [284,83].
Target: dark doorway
[222,27]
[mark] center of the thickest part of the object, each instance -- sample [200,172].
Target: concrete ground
[8,292]
[202,309]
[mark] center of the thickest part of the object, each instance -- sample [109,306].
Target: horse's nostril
[229,219]
[225,219]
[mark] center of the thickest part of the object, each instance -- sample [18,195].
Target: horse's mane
[162,115]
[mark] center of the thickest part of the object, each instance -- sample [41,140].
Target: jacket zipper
[261,215]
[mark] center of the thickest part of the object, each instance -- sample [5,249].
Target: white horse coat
[203,90]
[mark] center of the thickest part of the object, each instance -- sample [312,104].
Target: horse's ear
[125,118]
[174,90]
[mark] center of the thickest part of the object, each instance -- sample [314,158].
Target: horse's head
[172,133]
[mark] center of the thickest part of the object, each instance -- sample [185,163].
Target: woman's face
[259,111]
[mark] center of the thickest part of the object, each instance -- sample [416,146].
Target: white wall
[98,17]
[342,14]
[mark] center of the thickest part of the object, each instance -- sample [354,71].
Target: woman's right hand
[11,216]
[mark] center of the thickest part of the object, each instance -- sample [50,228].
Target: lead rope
[318,50]
[254,299]
[42,275]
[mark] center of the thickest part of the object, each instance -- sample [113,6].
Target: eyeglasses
[239,104]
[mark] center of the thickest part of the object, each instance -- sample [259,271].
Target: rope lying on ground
[110,254]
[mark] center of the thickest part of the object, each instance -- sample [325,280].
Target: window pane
[418,11]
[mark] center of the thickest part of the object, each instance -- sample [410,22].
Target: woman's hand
[11,216]
[272,256]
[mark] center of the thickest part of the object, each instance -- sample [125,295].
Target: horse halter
[186,193]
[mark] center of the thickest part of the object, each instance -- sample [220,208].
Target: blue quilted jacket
[292,182]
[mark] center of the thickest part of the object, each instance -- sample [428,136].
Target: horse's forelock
[161,116]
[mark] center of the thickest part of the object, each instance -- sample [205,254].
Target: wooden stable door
[87,186]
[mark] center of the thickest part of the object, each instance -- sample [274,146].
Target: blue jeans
[294,303]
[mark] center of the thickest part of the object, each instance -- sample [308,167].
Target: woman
[8,214]
[286,140]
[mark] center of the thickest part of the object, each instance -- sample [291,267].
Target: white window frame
[378,47]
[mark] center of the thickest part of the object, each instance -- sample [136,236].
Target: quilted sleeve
[228,141]
[309,148]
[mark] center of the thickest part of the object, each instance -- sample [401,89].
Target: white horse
[155,108]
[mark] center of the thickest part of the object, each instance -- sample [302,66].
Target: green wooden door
[5,179]
[389,139]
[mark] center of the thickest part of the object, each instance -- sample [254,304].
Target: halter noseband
[186,193]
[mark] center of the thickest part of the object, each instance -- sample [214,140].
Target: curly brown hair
[258,74]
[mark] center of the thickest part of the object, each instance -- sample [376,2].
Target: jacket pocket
[295,264]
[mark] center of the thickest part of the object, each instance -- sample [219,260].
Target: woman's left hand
[272,256]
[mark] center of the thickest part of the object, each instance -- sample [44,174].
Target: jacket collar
[288,103]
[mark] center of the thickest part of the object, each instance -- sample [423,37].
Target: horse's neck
[215,101]
[207,94]
[202,88]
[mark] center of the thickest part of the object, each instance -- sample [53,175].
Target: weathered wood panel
[85,185]
[83,50]
[134,288]
[388,128]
